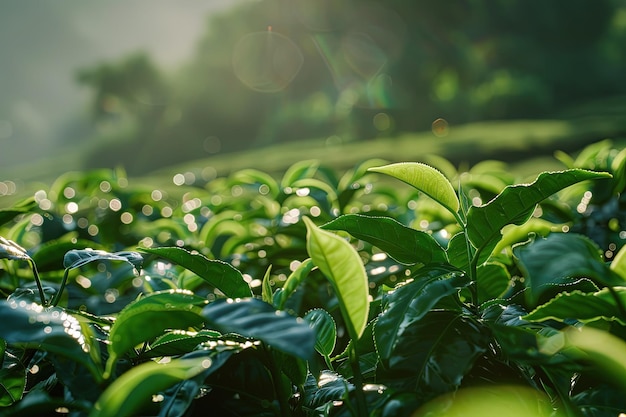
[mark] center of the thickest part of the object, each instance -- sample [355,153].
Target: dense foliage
[318,294]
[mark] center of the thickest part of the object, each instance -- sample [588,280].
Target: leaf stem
[57,296]
[42,296]
[358,381]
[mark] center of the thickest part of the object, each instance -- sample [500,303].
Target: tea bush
[319,294]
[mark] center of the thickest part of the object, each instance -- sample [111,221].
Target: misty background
[43,44]
[146,84]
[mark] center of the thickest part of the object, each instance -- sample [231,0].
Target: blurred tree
[278,70]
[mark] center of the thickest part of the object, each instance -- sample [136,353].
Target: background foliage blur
[274,70]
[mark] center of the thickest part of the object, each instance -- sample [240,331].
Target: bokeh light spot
[440,127]
[382,122]
[266,61]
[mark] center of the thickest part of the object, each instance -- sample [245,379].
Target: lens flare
[266,61]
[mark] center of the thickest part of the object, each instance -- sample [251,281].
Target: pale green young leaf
[618,265]
[426,179]
[342,266]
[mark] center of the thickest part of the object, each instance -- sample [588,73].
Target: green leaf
[410,302]
[266,287]
[30,326]
[457,252]
[178,342]
[582,307]
[219,274]
[135,388]
[178,399]
[330,387]
[491,401]
[516,203]
[12,251]
[342,266]
[12,380]
[606,351]
[298,171]
[149,317]
[76,258]
[404,244]
[618,265]
[253,318]
[559,259]
[25,206]
[432,355]
[492,279]
[325,330]
[292,283]
[426,179]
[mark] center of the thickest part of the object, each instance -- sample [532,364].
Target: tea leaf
[516,203]
[135,388]
[426,179]
[402,243]
[219,274]
[29,325]
[582,307]
[408,303]
[149,317]
[325,330]
[559,259]
[253,318]
[342,266]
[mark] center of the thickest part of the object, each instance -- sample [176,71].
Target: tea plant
[316,295]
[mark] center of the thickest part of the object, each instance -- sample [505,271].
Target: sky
[44,42]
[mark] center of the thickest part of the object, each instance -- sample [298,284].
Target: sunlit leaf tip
[426,179]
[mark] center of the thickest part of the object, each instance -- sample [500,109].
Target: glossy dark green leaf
[409,302]
[24,206]
[12,379]
[219,274]
[328,388]
[253,318]
[432,355]
[325,330]
[76,258]
[560,258]
[515,204]
[457,252]
[602,400]
[492,281]
[404,244]
[127,394]
[29,325]
[148,317]
[179,398]
[343,267]
[582,307]
[178,342]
